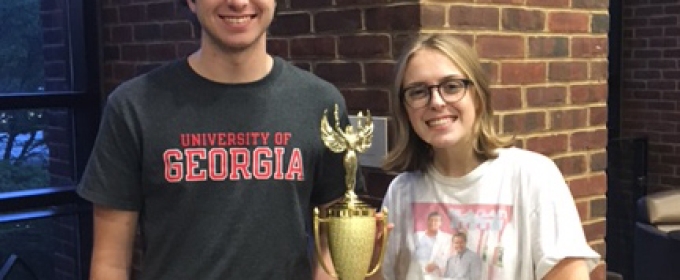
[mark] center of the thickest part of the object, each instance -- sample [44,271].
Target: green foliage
[22,150]
[21,47]
[17,177]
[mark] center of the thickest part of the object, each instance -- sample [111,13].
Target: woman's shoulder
[523,158]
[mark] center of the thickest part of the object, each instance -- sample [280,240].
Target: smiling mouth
[441,121]
[237,20]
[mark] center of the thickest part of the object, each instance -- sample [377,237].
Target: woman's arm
[114,234]
[569,269]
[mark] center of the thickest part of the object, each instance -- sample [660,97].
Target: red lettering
[173,170]
[295,167]
[193,171]
[239,165]
[217,164]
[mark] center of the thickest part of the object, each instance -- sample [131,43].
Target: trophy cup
[351,222]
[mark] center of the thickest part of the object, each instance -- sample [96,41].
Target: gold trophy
[351,222]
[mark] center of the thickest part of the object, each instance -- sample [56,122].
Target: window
[49,112]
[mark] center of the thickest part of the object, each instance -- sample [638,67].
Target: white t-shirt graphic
[508,208]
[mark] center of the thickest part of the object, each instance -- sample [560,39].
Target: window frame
[85,105]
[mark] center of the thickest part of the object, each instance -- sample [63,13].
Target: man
[217,157]
[431,243]
[463,264]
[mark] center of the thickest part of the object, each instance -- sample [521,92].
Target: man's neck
[232,67]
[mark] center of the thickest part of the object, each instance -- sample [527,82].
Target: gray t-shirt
[223,175]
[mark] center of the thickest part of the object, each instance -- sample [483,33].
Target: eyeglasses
[451,91]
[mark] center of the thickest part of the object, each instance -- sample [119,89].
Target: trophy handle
[317,243]
[383,248]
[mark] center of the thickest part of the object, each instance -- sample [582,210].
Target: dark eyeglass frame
[466,85]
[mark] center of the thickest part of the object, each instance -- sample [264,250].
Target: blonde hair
[409,152]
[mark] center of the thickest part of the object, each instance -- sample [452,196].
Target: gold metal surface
[351,222]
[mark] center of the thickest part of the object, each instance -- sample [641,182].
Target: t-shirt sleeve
[555,223]
[112,175]
[393,202]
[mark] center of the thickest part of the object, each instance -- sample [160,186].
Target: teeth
[441,121]
[237,20]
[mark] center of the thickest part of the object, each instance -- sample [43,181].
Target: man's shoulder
[162,75]
[301,76]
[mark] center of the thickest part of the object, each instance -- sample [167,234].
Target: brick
[147,32]
[588,140]
[500,46]
[567,71]
[364,46]
[367,99]
[503,99]
[161,52]
[590,4]
[291,24]
[186,48]
[568,22]
[569,119]
[121,34]
[278,47]
[582,94]
[571,165]
[339,73]
[464,17]
[523,73]
[111,53]
[598,116]
[177,31]
[548,47]
[595,231]
[522,20]
[599,70]
[379,73]
[598,208]
[304,4]
[133,52]
[588,47]
[548,145]
[132,13]
[600,23]
[110,15]
[588,186]
[343,3]
[312,47]
[338,21]
[491,70]
[549,3]
[583,209]
[551,96]
[515,2]
[160,11]
[524,122]
[433,16]
[598,161]
[402,18]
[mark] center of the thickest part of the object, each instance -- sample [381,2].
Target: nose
[436,100]
[237,4]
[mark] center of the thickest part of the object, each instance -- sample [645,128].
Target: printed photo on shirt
[460,242]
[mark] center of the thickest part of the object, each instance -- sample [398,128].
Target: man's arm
[114,234]
[569,269]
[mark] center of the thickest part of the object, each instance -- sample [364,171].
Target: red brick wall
[650,104]
[547,60]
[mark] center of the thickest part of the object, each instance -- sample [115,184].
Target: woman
[507,200]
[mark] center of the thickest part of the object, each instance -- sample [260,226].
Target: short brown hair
[410,152]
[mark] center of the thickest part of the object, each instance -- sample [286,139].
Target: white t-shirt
[516,210]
